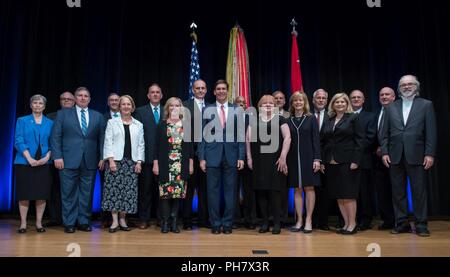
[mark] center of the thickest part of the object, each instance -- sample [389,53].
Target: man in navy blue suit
[77,144]
[221,153]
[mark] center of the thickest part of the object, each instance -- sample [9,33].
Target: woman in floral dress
[173,163]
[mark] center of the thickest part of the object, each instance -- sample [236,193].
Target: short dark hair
[221,82]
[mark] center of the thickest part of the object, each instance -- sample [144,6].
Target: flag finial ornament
[294,25]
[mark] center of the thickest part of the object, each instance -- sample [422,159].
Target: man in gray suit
[77,142]
[408,148]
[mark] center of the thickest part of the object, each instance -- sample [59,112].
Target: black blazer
[416,139]
[162,150]
[196,121]
[368,122]
[343,144]
[145,115]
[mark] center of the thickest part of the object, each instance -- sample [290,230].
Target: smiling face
[221,93]
[320,100]
[67,100]
[408,86]
[387,96]
[357,99]
[113,102]
[37,106]
[199,89]
[280,100]
[266,105]
[126,107]
[174,110]
[298,104]
[154,95]
[82,98]
[340,105]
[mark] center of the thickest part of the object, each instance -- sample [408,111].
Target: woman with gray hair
[32,169]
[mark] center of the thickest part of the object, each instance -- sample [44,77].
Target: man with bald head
[381,178]
[408,148]
[366,192]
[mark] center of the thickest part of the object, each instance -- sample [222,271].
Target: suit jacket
[162,154]
[416,139]
[69,143]
[145,115]
[29,136]
[368,122]
[344,144]
[196,126]
[115,140]
[213,150]
[107,116]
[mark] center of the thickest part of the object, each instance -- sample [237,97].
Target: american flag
[194,68]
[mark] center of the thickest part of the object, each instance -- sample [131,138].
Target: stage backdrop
[123,46]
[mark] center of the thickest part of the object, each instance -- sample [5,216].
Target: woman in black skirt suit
[303,159]
[342,150]
[32,169]
[269,165]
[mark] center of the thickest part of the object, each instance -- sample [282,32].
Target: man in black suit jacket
[320,214]
[409,148]
[382,181]
[367,121]
[198,180]
[150,116]
[66,101]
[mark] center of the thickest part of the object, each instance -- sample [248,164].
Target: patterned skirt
[120,192]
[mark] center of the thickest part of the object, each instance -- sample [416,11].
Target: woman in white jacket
[124,149]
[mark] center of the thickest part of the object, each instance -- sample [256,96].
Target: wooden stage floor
[201,243]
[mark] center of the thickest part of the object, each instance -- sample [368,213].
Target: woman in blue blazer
[32,169]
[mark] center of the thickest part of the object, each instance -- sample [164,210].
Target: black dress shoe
[276,229]
[250,226]
[215,230]
[85,228]
[69,229]
[324,227]
[187,226]
[422,232]
[401,229]
[40,230]
[227,230]
[21,230]
[165,227]
[295,229]
[306,231]
[264,228]
[364,227]
[113,230]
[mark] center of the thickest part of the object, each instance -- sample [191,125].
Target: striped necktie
[83,122]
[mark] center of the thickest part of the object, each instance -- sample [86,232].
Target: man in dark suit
[367,121]
[77,145]
[113,112]
[409,148]
[382,181]
[150,116]
[221,154]
[198,180]
[66,101]
[320,214]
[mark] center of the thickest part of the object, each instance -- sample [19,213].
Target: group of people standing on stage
[158,156]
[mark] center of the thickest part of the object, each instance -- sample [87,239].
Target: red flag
[296,72]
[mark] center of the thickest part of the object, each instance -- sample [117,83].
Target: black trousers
[366,198]
[54,203]
[197,182]
[416,174]
[383,192]
[272,199]
[320,214]
[247,210]
[148,193]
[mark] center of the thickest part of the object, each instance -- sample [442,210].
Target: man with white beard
[408,149]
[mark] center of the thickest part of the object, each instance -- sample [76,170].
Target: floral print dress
[175,188]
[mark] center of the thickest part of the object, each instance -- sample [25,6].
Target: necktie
[318,119]
[223,117]
[381,119]
[156,115]
[116,115]
[83,122]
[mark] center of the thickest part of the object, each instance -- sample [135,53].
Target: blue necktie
[156,115]
[116,115]
[83,122]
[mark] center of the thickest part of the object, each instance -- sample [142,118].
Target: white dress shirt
[225,107]
[79,116]
[200,103]
[322,116]
[406,108]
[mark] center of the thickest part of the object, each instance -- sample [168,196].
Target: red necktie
[223,117]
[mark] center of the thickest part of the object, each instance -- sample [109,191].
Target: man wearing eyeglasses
[66,101]
[408,149]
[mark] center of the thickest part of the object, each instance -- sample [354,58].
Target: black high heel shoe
[124,228]
[40,230]
[21,230]
[352,232]
[113,230]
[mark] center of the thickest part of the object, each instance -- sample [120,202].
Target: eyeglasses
[408,85]
[66,99]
